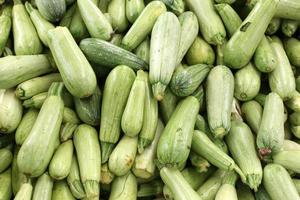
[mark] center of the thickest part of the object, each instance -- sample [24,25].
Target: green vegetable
[261,98]
[116,39]
[117,11]
[61,191]
[164,45]
[43,135]
[70,116]
[67,18]
[88,153]
[273,26]
[297,184]
[67,130]
[73,66]
[168,105]
[43,188]
[294,102]
[289,27]
[153,188]
[124,187]
[51,10]
[252,111]
[176,6]
[219,97]
[227,191]
[288,159]
[6,158]
[278,183]
[106,175]
[17,177]
[200,163]
[134,9]
[292,46]
[11,111]
[74,181]
[25,192]
[261,194]
[244,192]
[5,186]
[5,23]
[77,27]
[288,9]
[210,23]
[143,50]
[116,91]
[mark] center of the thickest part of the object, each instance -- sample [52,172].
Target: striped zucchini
[43,188]
[270,135]
[61,191]
[51,10]
[123,156]
[185,82]
[246,83]
[210,24]
[26,39]
[189,31]
[10,111]
[273,26]
[164,45]
[5,23]
[200,52]
[77,27]
[282,80]
[143,50]
[95,21]
[168,105]
[289,27]
[106,175]
[292,46]
[261,194]
[5,186]
[132,118]
[70,116]
[76,72]
[252,112]
[101,52]
[150,118]
[219,97]
[124,187]
[43,135]
[278,183]
[17,69]
[133,9]
[6,158]
[74,181]
[174,144]
[227,191]
[116,91]
[242,45]
[42,26]
[117,11]
[67,130]
[143,25]
[25,192]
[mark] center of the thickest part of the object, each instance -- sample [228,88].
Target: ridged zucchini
[43,188]
[117,11]
[116,91]
[74,181]
[289,27]
[102,52]
[210,24]
[219,97]
[5,23]
[51,10]
[124,187]
[252,112]
[164,45]
[292,46]
[273,26]
[5,186]
[25,192]
[134,9]
[43,135]
[174,144]
[6,158]
[61,191]
[76,72]
[26,39]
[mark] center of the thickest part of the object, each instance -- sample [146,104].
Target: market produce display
[150,99]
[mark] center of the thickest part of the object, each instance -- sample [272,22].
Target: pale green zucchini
[176,6]
[43,188]
[227,191]
[117,11]
[43,135]
[124,187]
[17,177]
[289,27]
[5,23]
[116,91]
[116,39]
[6,158]
[168,105]
[74,181]
[70,116]
[25,192]
[288,159]
[5,186]
[164,45]
[61,191]
[292,47]
[134,9]
[252,112]
[51,10]
[143,50]
[273,26]
[288,9]
[77,27]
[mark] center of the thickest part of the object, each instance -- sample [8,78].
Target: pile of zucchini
[150,100]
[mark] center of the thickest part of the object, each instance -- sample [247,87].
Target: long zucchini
[52,10]
[17,177]
[25,192]
[5,23]
[288,159]
[288,9]
[77,27]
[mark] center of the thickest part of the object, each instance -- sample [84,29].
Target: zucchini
[88,109]
[51,10]
[37,85]
[242,147]
[288,9]
[103,4]
[61,191]
[200,163]
[95,21]
[210,24]
[143,50]
[42,26]
[10,111]
[70,116]
[5,186]
[252,112]
[88,153]
[270,135]
[17,69]
[67,18]
[116,91]
[288,159]
[227,191]
[106,176]
[282,80]
[273,26]
[278,183]
[76,72]
[185,82]
[124,187]
[123,156]
[289,27]
[143,25]
[219,97]
[133,9]
[261,194]
[5,23]
[244,192]
[200,52]
[67,130]
[77,27]
[43,188]
[246,83]
[26,39]
[132,118]
[292,46]
[25,192]
[168,105]
[242,45]
[6,157]
[101,52]
[116,39]
[176,6]
[174,144]
[43,135]
[117,11]
[153,188]
[164,45]
[17,177]
[60,165]
[74,181]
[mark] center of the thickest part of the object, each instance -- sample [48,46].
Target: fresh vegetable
[61,191]
[117,11]
[124,187]
[227,189]
[252,111]
[6,158]
[289,27]
[25,192]
[5,23]
[52,10]
[292,46]
[43,188]
[74,180]
[288,9]
[134,9]
[5,185]
[273,26]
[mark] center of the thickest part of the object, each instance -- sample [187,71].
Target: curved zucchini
[61,191]
[117,11]
[270,135]
[210,24]
[76,72]
[116,91]
[51,10]
[246,83]
[174,144]
[252,111]
[43,188]
[124,187]
[5,23]
[133,9]
[43,135]
[143,25]
[219,97]
[289,27]
[101,52]
[292,47]
[74,181]
[164,45]
[273,26]
[26,39]
[10,111]
[242,45]
[6,157]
